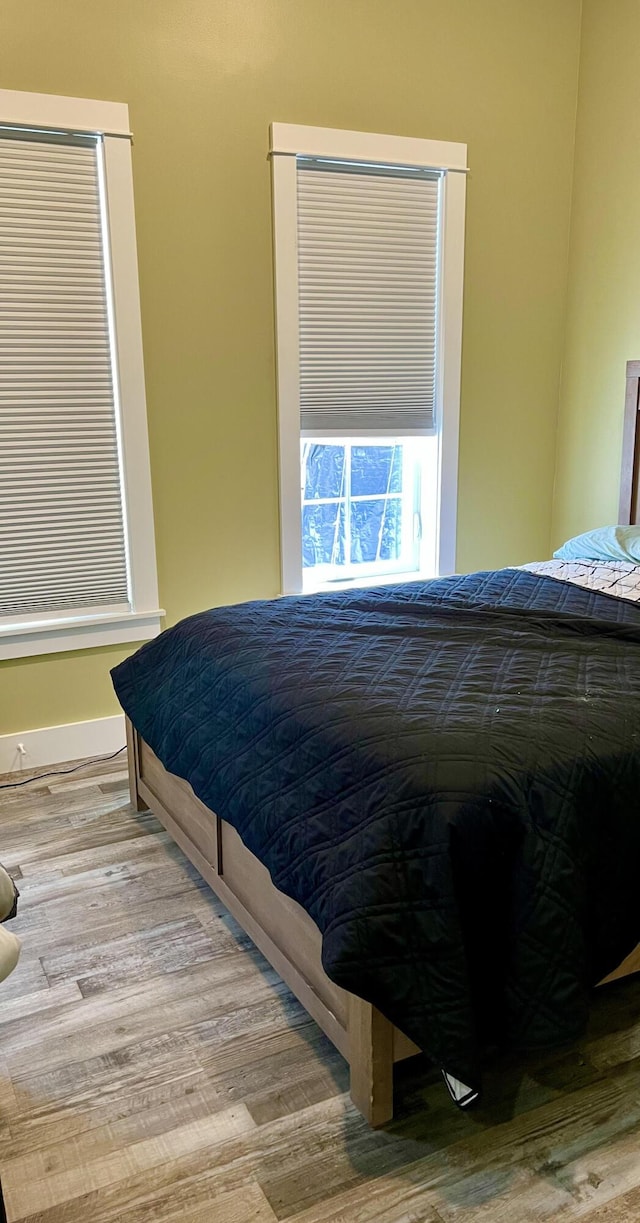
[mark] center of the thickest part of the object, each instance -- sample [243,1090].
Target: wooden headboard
[629,510]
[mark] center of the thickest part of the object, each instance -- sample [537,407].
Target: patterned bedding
[619,578]
[444,774]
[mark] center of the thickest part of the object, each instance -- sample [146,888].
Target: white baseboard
[57,744]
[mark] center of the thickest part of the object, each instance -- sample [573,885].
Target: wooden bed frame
[285,934]
[282,930]
[629,509]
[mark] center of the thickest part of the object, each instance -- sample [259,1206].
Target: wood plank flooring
[153,1069]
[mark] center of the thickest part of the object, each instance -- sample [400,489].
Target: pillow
[603,544]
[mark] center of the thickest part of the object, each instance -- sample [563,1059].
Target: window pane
[376,469]
[323,469]
[323,534]
[376,530]
[359,508]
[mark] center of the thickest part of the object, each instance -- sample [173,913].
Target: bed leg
[134,767]
[371,1062]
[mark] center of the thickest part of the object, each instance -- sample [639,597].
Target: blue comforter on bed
[446,775]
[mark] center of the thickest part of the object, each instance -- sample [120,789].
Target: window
[77,561]
[362,508]
[368,239]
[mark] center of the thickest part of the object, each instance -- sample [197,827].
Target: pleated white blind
[368,298]
[62,542]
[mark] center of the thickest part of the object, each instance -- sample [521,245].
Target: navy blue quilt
[446,775]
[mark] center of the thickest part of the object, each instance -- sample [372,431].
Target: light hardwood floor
[153,1069]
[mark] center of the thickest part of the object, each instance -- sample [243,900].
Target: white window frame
[289,141]
[52,632]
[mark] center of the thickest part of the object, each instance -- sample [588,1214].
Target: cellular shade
[62,543]
[368,240]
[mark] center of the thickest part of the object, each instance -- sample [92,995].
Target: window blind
[62,542]
[368,240]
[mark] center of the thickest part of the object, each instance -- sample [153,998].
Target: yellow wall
[603,315]
[204,78]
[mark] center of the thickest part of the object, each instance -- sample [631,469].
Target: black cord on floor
[11,785]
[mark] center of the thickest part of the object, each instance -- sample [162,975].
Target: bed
[441,779]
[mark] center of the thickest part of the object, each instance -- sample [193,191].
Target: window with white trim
[77,558]
[369,242]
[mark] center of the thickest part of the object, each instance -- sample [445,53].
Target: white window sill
[78,633]
[354,583]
